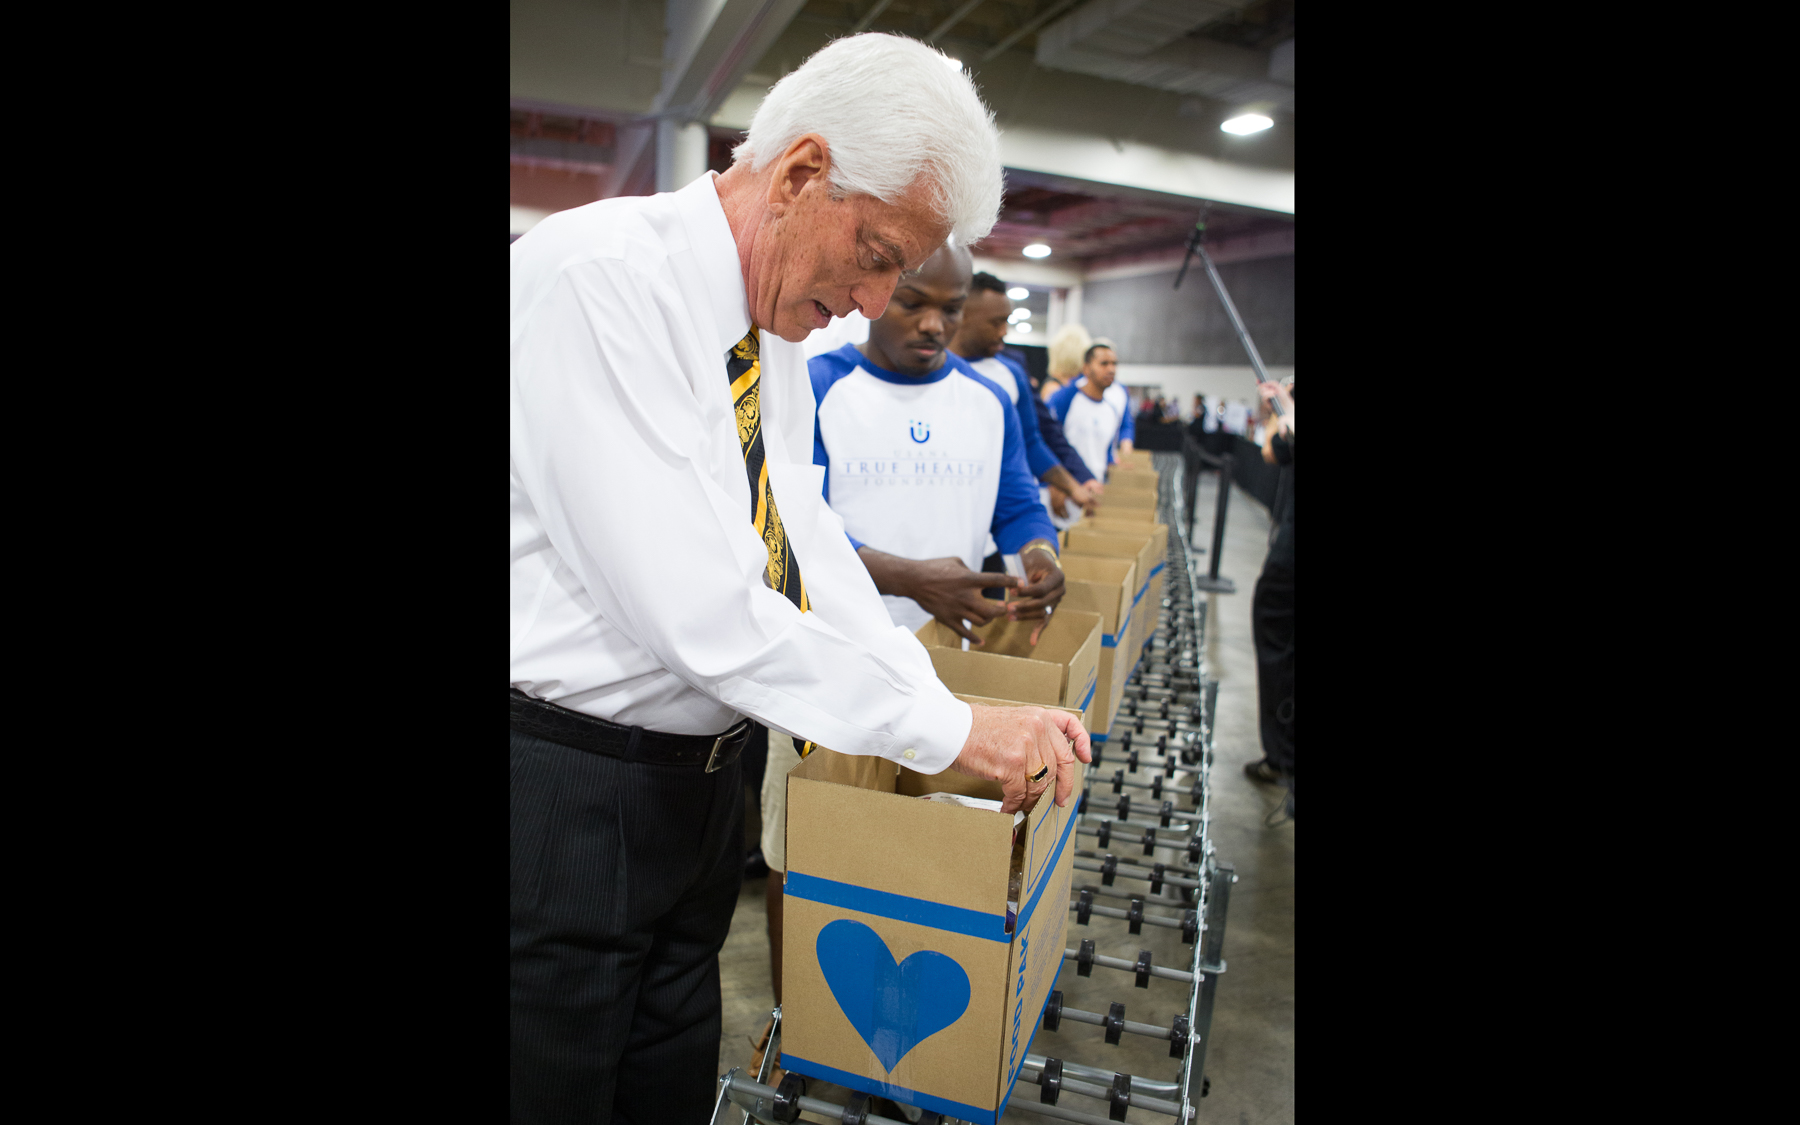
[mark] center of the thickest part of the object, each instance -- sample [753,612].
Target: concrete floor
[1251,1055]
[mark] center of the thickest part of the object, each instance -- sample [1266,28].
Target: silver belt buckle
[712,760]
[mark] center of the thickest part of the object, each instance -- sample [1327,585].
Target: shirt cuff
[934,732]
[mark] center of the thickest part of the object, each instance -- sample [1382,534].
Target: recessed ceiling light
[1036,250]
[1019,314]
[1247,123]
[1018,292]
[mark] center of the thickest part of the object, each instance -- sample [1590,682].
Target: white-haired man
[675,569]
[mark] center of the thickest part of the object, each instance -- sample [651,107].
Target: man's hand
[947,589]
[1059,502]
[1087,495]
[1009,744]
[1043,587]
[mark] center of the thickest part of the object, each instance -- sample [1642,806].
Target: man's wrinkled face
[922,316]
[836,256]
[1102,369]
[986,317]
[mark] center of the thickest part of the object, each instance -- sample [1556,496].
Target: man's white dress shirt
[637,578]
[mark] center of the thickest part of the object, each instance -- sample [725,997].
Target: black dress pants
[1272,626]
[624,878]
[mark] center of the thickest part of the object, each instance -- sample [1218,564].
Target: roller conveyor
[1160,744]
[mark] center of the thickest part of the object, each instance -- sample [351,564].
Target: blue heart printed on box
[893,1007]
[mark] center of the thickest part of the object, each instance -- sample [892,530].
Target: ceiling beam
[1057,8]
[954,18]
[862,25]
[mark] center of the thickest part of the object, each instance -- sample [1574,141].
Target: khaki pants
[782,758]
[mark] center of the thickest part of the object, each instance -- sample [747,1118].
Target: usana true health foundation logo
[903,469]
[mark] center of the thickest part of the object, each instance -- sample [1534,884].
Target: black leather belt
[630,744]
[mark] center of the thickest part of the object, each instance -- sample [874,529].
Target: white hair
[894,113]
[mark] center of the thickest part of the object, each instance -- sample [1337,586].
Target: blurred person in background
[1067,349]
[1094,410]
[1272,609]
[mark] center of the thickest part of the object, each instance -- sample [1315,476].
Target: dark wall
[1035,359]
[1156,324]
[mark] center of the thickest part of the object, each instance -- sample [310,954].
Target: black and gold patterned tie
[743,367]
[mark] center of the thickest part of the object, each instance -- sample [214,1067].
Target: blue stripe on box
[1158,569]
[1025,914]
[1088,698]
[901,908]
[867,1085]
[1142,590]
[1020,1065]
[1111,640]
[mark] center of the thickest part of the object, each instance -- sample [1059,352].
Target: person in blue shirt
[986,317]
[1095,411]
[925,458]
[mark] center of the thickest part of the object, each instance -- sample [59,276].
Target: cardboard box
[1148,550]
[1063,670]
[1121,499]
[1133,476]
[1122,521]
[899,974]
[1127,481]
[1106,587]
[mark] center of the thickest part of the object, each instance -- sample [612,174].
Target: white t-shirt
[998,374]
[1091,427]
[922,467]
[852,328]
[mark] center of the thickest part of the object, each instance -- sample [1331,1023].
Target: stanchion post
[1190,480]
[1212,582]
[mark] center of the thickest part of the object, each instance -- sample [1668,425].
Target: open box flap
[934,841]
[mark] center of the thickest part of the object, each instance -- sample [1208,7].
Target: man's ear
[806,160]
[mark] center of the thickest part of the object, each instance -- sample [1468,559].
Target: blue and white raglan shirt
[1093,428]
[922,467]
[1010,379]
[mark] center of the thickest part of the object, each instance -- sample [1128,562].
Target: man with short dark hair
[925,459]
[986,316]
[1094,411]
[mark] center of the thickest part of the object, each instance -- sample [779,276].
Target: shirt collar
[709,234]
[951,361]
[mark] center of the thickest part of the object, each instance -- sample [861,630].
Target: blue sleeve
[1052,433]
[1059,402]
[825,370]
[1128,427]
[1019,516]
[1038,456]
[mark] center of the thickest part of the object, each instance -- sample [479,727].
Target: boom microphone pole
[1195,246]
